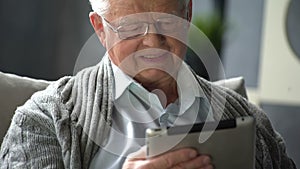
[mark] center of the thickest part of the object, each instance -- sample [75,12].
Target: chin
[151,76]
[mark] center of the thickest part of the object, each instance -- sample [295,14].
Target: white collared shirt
[136,109]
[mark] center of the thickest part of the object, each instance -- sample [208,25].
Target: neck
[166,90]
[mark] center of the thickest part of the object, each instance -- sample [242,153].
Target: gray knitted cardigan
[55,128]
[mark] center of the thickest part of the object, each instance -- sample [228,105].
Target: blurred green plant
[213,27]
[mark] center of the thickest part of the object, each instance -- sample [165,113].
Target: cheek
[122,50]
[177,47]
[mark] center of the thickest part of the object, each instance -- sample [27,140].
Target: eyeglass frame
[118,32]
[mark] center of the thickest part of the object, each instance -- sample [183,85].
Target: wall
[242,41]
[42,39]
[280,68]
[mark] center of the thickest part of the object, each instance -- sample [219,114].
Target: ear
[190,12]
[97,24]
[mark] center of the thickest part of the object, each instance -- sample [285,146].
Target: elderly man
[97,119]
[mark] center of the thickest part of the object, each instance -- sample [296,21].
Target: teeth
[150,57]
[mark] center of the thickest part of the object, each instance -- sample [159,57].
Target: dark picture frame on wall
[293,26]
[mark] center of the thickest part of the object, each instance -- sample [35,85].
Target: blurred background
[259,40]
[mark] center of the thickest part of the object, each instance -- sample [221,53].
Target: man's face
[157,54]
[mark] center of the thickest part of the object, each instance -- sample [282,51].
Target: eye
[131,27]
[166,20]
[132,30]
[166,23]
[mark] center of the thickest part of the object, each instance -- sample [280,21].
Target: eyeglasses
[137,29]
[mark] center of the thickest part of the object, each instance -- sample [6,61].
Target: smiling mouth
[154,58]
[151,56]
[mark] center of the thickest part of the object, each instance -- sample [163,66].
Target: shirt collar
[188,87]
[122,80]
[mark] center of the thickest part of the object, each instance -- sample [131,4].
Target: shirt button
[163,120]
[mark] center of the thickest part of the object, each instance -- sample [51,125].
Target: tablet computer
[230,143]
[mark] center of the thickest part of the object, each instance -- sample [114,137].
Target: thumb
[138,155]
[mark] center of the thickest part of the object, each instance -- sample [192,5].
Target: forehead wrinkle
[121,8]
[161,5]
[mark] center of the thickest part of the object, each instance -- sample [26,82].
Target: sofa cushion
[236,84]
[14,91]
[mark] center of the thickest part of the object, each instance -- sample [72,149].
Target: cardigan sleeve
[31,141]
[270,146]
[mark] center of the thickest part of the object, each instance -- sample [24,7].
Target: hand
[179,159]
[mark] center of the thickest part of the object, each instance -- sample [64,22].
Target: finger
[138,155]
[202,161]
[173,158]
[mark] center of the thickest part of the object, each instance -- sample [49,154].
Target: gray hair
[102,6]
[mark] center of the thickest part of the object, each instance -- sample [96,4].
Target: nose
[153,39]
